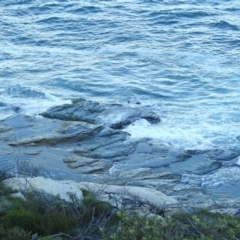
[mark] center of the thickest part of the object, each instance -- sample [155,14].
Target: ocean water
[179,58]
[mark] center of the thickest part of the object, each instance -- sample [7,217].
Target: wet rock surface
[115,116]
[86,141]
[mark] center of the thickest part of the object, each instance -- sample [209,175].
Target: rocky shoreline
[86,142]
[127,197]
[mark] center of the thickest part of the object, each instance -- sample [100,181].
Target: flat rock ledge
[88,142]
[118,196]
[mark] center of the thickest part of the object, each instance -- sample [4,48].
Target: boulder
[114,116]
[63,189]
[118,196]
[128,195]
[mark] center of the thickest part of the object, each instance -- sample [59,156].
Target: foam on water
[33,105]
[181,59]
[225,176]
[33,109]
[188,133]
[238,161]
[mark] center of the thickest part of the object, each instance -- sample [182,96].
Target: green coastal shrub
[92,207]
[45,216]
[136,227]
[43,224]
[48,215]
[15,233]
[19,218]
[58,223]
[201,224]
[91,214]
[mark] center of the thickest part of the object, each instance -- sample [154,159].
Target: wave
[224,25]
[17,91]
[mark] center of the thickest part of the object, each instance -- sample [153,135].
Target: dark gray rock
[227,156]
[80,110]
[113,115]
[208,168]
[73,132]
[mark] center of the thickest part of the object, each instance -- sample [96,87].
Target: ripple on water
[178,58]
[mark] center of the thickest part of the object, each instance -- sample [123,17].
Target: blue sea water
[179,58]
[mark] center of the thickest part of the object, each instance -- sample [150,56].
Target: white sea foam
[41,105]
[30,106]
[194,83]
[222,177]
[186,133]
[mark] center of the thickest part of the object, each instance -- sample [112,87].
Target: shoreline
[96,152]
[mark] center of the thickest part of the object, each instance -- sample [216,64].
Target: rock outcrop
[120,196]
[86,142]
[115,116]
[63,189]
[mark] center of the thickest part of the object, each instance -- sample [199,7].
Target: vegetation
[42,217]
[50,217]
[45,216]
[14,233]
[201,224]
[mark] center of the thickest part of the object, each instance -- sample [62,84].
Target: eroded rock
[72,133]
[91,140]
[113,115]
[75,162]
